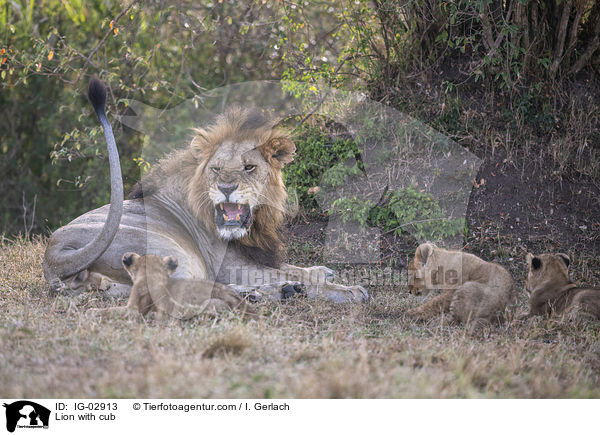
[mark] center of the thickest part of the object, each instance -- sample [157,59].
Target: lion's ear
[278,151]
[200,144]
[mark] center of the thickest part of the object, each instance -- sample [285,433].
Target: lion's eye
[249,168]
[215,169]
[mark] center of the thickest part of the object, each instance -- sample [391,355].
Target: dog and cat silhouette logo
[26,414]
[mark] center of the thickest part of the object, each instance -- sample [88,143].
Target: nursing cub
[552,292]
[154,291]
[473,290]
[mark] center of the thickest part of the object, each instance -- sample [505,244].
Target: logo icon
[26,414]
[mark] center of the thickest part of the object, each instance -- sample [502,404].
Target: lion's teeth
[239,206]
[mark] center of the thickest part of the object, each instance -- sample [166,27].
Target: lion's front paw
[325,273]
[271,292]
[250,294]
[291,290]
[342,294]
[360,293]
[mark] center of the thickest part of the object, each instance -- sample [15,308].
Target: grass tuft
[232,342]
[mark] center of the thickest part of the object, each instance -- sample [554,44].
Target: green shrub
[317,154]
[402,211]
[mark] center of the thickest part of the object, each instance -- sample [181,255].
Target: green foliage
[51,147]
[333,162]
[339,173]
[353,209]
[416,212]
[318,158]
[162,53]
[402,211]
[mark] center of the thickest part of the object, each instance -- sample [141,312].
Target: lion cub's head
[417,268]
[434,268]
[148,267]
[238,188]
[547,269]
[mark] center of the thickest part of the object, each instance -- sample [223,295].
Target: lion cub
[472,289]
[154,291]
[552,292]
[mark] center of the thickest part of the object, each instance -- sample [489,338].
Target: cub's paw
[522,317]
[416,314]
[578,315]
[60,288]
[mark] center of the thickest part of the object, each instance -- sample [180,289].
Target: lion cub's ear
[278,151]
[528,258]
[171,263]
[422,253]
[129,258]
[565,258]
[534,262]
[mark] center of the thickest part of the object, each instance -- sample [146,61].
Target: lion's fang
[237,217]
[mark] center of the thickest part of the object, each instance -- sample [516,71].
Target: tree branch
[589,51]
[562,34]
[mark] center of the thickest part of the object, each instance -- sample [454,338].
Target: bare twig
[26,226]
[589,51]
[322,99]
[115,20]
[574,28]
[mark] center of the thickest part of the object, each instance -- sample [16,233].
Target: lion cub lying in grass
[552,292]
[473,290]
[154,291]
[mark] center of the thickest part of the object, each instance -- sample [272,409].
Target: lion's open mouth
[230,214]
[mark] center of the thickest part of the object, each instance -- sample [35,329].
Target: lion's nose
[227,189]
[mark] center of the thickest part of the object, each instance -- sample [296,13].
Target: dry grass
[49,348]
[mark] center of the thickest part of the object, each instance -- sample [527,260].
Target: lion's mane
[185,172]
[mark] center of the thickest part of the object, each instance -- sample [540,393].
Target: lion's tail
[72,262]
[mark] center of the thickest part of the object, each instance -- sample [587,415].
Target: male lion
[216,205]
[154,290]
[473,290]
[552,292]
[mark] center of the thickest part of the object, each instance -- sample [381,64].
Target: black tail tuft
[97,94]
